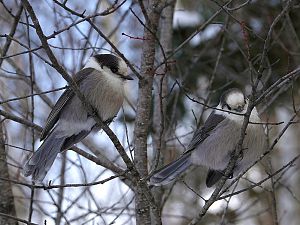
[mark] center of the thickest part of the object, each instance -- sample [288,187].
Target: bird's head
[234,100]
[109,63]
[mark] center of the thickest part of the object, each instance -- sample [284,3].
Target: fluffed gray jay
[213,144]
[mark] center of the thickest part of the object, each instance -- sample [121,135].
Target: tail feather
[171,171]
[41,160]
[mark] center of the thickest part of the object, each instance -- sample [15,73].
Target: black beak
[125,77]
[240,108]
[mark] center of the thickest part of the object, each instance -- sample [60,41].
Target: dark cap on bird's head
[114,63]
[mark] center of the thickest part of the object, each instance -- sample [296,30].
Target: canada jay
[213,144]
[101,81]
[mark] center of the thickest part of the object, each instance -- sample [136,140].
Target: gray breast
[106,95]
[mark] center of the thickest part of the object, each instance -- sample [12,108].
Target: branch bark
[160,93]
[7,205]
[142,122]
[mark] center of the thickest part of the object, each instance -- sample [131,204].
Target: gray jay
[213,144]
[101,81]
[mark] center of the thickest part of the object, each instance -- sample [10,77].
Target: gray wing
[169,172]
[62,101]
[202,133]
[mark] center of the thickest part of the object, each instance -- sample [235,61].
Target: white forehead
[92,63]
[122,66]
[235,98]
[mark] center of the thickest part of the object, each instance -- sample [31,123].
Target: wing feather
[202,133]
[213,176]
[62,101]
[53,116]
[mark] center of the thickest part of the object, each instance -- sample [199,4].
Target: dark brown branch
[11,33]
[16,219]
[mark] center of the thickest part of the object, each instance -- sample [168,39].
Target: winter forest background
[183,54]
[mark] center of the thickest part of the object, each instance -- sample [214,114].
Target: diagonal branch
[74,86]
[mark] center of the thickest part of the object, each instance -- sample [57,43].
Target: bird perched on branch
[214,143]
[101,81]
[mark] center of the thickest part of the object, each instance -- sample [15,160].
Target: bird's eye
[114,69]
[228,107]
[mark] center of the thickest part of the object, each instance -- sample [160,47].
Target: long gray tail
[41,160]
[171,171]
